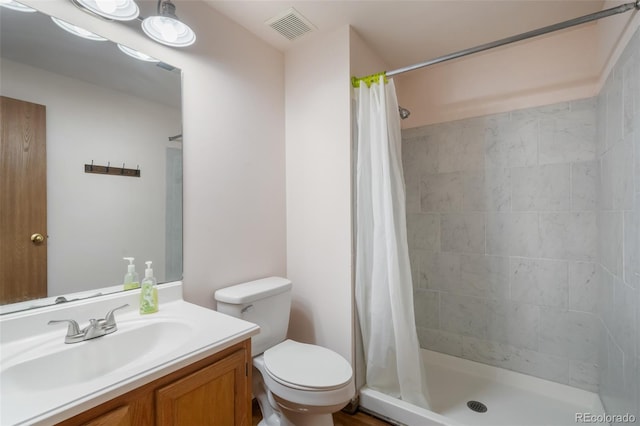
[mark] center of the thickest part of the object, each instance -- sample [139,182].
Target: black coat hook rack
[108,170]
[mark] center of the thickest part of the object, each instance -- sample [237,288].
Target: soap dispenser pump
[148,292]
[131,279]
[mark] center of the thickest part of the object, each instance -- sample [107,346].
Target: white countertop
[24,403]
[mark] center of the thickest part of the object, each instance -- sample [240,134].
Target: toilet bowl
[307,382]
[296,384]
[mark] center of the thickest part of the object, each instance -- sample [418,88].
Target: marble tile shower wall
[502,228]
[524,238]
[618,217]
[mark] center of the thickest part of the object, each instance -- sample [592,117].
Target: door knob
[37,238]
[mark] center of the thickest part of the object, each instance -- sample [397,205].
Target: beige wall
[233,126]
[364,60]
[318,168]
[566,65]
[539,71]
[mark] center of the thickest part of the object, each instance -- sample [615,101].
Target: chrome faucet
[96,327]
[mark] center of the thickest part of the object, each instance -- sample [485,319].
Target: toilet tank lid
[253,290]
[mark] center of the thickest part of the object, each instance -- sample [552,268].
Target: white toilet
[294,383]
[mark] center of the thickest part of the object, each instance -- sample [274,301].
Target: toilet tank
[265,302]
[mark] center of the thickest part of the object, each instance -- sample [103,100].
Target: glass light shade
[168,31]
[75,30]
[118,10]
[136,54]
[14,5]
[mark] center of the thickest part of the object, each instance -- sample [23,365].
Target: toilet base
[276,412]
[297,415]
[271,415]
[289,418]
[280,412]
[305,420]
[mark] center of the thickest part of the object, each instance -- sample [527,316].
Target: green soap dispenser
[131,279]
[148,292]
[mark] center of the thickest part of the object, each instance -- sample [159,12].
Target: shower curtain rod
[529,34]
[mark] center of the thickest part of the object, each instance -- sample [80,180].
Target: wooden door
[216,395]
[23,201]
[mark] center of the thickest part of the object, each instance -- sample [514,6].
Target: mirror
[108,109]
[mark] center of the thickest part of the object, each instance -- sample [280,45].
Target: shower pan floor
[511,399]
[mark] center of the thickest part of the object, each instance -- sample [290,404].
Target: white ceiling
[408,32]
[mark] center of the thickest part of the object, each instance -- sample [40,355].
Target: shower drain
[477,406]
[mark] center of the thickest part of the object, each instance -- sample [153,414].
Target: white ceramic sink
[44,380]
[55,365]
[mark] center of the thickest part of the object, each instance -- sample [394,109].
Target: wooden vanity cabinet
[215,391]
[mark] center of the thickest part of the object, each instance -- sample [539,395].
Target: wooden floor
[340,418]
[358,419]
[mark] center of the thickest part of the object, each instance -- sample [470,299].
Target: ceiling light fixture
[166,28]
[118,10]
[14,5]
[75,30]
[136,54]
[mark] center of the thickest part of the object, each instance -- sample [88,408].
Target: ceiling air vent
[291,24]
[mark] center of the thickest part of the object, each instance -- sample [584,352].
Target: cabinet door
[118,417]
[213,396]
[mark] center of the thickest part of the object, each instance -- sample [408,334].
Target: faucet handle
[110,319]
[72,330]
[93,330]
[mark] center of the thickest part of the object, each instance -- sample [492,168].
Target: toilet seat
[307,367]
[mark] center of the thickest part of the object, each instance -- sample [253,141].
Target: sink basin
[132,344]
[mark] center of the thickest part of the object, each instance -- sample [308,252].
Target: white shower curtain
[384,292]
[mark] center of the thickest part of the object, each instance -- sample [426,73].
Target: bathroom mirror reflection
[104,107]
